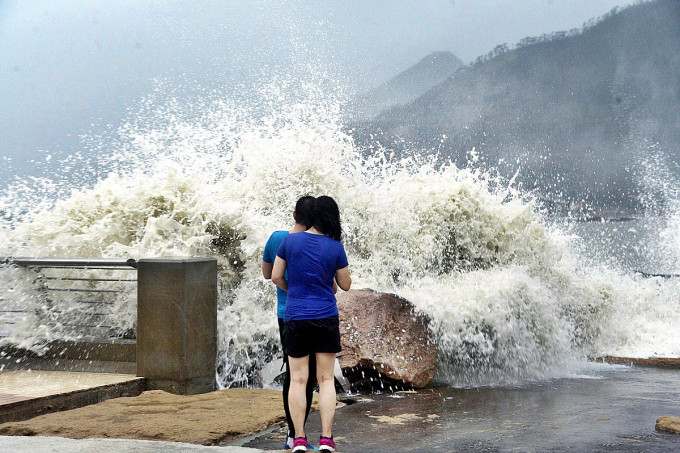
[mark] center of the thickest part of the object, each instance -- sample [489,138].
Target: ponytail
[327,218]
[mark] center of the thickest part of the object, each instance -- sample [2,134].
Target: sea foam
[509,298]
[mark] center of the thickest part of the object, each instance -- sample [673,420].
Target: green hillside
[578,113]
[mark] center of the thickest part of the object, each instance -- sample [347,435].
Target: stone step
[26,394]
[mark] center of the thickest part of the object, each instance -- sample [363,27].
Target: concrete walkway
[28,393]
[16,444]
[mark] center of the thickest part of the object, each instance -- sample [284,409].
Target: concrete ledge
[92,366]
[661,362]
[100,356]
[184,387]
[114,350]
[25,408]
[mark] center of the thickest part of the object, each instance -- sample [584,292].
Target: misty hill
[577,113]
[408,85]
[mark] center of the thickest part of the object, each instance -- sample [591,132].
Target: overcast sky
[66,65]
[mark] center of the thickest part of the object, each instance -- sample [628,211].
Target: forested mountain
[408,85]
[578,113]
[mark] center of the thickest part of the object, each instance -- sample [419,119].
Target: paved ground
[608,408]
[61,445]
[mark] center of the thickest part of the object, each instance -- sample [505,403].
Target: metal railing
[70,262]
[74,297]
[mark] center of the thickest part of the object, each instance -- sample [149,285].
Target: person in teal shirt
[303,221]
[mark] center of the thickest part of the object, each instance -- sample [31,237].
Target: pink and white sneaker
[326,444]
[299,444]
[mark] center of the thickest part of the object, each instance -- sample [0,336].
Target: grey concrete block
[177,324]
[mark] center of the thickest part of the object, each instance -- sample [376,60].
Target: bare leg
[325,364]
[297,400]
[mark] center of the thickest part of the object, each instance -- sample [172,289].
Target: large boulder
[384,339]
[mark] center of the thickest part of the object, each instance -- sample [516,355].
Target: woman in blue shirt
[314,259]
[303,216]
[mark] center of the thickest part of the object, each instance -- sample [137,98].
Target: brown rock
[209,419]
[668,424]
[383,336]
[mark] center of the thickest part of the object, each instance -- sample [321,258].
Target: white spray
[213,177]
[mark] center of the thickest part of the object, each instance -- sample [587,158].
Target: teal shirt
[269,256]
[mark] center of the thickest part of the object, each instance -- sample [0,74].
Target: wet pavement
[610,408]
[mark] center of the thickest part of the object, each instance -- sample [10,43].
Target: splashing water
[508,299]
[663,193]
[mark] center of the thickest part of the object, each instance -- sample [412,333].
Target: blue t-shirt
[269,256]
[311,262]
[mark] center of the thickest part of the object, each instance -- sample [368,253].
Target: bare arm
[343,278]
[267,269]
[277,273]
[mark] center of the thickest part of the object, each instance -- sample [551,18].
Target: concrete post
[177,324]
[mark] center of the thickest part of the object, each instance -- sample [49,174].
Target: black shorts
[308,336]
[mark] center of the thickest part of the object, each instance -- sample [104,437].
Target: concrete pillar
[177,324]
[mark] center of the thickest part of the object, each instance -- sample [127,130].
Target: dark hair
[304,211]
[327,217]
